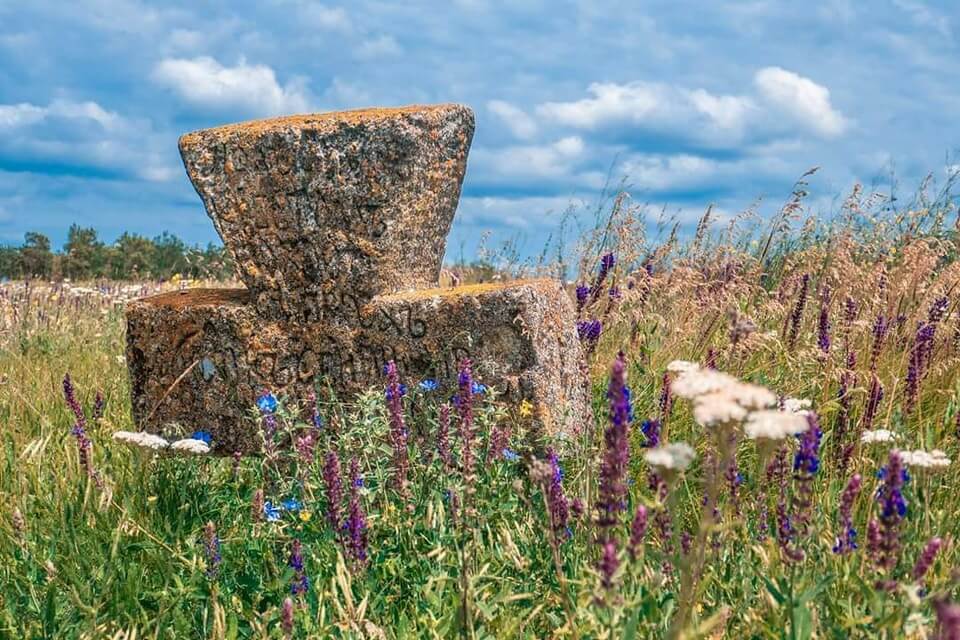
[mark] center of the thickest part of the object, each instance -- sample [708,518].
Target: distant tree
[9,262]
[169,255]
[36,258]
[84,255]
[132,257]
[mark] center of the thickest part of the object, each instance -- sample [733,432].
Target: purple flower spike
[211,550]
[893,507]
[334,487]
[797,314]
[847,540]
[638,529]
[356,525]
[398,430]
[927,556]
[79,431]
[300,583]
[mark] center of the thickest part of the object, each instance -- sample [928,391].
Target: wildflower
[772,425]
[609,563]
[823,324]
[398,430]
[510,455]
[267,403]
[893,507]
[666,399]
[315,418]
[270,512]
[917,364]
[613,489]
[682,366]
[306,445]
[848,379]
[429,385]
[190,446]
[796,405]
[873,404]
[879,331]
[873,540]
[356,524]
[698,382]
[465,408]
[797,314]
[582,292]
[607,262]
[638,529]
[935,459]
[556,499]
[948,619]
[847,540]
[300,583]
[286,618]
[211,549]
[141,439]
[651,433]
[806,463]
[334,487]
[98,406]
[715,409]
[292,504]
[670,459]
[526,408]
[589,333]
[84,446]
[927,556]
[202,436]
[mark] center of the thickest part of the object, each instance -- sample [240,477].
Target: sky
[690,104]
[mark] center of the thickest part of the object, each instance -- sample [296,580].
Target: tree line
[130,257]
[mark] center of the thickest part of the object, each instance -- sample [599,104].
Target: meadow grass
[505,540]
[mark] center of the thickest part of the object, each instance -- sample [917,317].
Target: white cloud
[82,134]
[517,121]
[697,114]
[807,102]
[253,88]
[553,160]
[925,17]
[330,18]
[378,47]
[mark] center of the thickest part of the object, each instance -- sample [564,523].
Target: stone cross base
[200,357]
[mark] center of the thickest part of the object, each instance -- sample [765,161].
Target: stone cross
[337,223]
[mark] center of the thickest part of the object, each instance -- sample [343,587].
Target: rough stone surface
[200,357]
[323,212]
[338,224]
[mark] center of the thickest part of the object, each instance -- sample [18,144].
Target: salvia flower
[607,262]
[334,488]
[948,619]
[98,406]
[556,499]
[651,433]
[398,429]
[589,332]
[638,529]
[79,431]
[806,463]
[211,550]
[847,540]
[257,505]
[300,583]
[464,401]
[582,293]
[797,314]
[927,556]
[823,324]
[286,618]
[609,563]
[893,508]
[613,467]
[355,527]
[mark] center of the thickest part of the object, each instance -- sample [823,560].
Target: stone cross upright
[337,223]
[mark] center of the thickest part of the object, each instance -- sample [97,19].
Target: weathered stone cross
[337,223]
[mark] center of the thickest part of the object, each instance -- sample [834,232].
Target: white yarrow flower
[878,435]
[141,439]
[673,457]
[771,424]
[935,459]
[717,408]
[751,396]
[692,384]
[191,446]
[796,405]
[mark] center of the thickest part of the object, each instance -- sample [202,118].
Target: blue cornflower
[267,403]
[429,384]
[358,482]
[403,391]
[270,512]
[203,436]
[510,455]
[292,504]
[478,388]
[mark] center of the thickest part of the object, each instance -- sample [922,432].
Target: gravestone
[337,223]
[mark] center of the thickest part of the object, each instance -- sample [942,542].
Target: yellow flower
[151,499]
[526,409]
[306,515]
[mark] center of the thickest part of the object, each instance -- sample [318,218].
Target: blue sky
[696,103]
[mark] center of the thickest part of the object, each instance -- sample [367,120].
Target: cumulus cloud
[251,88]
[80,137]
[656,107]
[516,120]
[330,18]
[807,102]
[700,116]
[550,160]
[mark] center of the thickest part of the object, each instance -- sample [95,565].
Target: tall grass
[513,549]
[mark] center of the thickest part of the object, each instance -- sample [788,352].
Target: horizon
[723,110]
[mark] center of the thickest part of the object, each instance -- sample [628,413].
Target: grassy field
[469,527]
